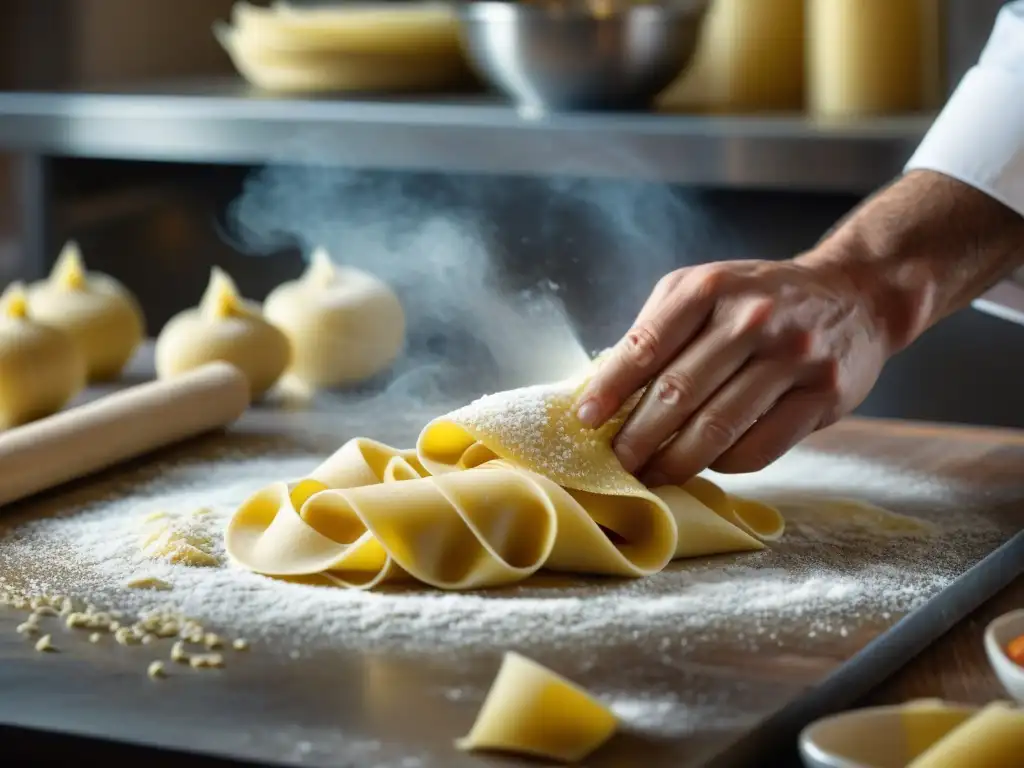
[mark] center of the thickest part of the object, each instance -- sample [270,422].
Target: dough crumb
[178,652]
[95,637]
[27,628]
[148,582]
[211,641]
[240,644]
[156,670]
[125,636]
[201,660]
[45,644]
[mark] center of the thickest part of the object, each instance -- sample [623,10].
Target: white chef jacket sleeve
[979,136]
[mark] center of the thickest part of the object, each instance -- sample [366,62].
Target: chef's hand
[744,359]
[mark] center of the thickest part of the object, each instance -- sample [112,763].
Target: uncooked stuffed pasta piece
[224,327]
[344,325]
[41,368]
[96,310]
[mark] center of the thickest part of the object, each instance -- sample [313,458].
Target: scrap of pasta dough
[533,711]
[147,582]
[178,539]
[493,492]
[993,738]
[925,721]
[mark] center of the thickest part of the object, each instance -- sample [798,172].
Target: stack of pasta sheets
[492,493]
[390,48]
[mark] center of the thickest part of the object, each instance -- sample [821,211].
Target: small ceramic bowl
[876,737]
[997,636]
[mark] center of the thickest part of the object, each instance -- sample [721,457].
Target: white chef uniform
[979,137]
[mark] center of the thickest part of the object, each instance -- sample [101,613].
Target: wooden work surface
[260,708]
[955,667]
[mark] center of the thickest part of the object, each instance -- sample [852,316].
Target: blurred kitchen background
[790,112]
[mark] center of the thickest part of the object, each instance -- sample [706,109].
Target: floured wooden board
[692,659]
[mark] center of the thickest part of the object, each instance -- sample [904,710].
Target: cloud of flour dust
[480,316]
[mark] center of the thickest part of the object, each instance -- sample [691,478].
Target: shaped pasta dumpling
[345,325]
[41,368]
[99,313]
[224,327]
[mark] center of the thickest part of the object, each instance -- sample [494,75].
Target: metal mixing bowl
[581,54]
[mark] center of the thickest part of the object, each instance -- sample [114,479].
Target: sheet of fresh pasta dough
[993,738]
[533,711]
[493,492]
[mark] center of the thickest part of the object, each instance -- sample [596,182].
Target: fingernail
[626,457]
[589,413]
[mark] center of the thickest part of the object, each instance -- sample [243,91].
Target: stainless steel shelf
[226,123]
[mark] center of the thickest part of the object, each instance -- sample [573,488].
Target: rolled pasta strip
[533,711]
[993,738]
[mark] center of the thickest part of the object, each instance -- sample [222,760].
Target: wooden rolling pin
[118,427]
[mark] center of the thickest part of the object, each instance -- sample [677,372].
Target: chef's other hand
[746,358]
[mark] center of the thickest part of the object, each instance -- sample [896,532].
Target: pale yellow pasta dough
[405,30]
[99,313]
[344,324]
[993,738]
[926,721]
[533,711]
[351,48]
[492,493]
[224,327]
[41,367]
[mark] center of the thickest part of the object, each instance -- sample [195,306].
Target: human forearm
[954,224]
[921,249]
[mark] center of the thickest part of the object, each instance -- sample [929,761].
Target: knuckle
[716,429]
[668,283]
[709,281]
[756,316]
[675,387]
[640,345]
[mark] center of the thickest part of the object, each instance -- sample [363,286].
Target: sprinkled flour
[829,578]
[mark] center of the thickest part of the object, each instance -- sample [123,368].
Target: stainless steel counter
[226,123]
[717,694]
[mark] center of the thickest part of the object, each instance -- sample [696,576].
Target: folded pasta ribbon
[493,492]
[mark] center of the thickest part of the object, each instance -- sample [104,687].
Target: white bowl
[876,737]
[997,636]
